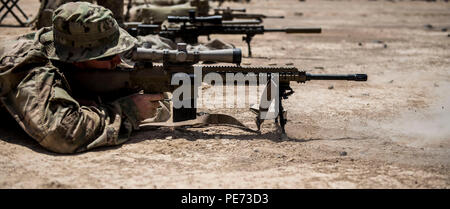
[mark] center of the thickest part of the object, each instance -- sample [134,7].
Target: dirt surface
[390,132]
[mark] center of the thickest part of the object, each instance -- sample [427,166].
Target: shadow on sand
[11,132]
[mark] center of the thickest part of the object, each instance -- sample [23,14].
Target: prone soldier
[38,95]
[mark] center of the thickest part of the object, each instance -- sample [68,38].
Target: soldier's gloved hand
[146,104]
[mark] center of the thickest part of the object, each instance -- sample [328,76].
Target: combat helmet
[83,31]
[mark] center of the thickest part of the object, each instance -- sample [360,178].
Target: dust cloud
[428,127]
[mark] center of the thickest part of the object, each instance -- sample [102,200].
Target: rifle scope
[181,55]
[241,22]
[216,19]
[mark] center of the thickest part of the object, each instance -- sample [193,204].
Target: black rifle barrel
[252,16]
[348,77]
[296,30]
[279,17]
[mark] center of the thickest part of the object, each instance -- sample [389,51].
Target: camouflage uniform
[154,14]
[158,42]
[35,91]
[116,6]
[159,2]
[43,19]
[157,13]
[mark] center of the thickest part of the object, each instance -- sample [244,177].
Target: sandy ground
[390,132]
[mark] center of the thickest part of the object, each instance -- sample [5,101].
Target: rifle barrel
[252,16]
[348,77]
[296,30]
[279,17]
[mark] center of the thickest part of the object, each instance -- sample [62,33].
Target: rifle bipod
[284,92]
[248,38]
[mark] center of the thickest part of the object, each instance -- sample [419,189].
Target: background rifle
[132,27]
[156,78]
[206,26]
[222,1]
[231,14]
[142,29]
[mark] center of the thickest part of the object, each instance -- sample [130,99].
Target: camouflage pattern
[222,1]
[156,14]
[213,44]
[153,14]
[84,31]
[38,96]
[45,13]
[116,6]
[159,2]
[202,7]
[158,42]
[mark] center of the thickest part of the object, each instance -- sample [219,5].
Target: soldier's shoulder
[13,45]
[23,48]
